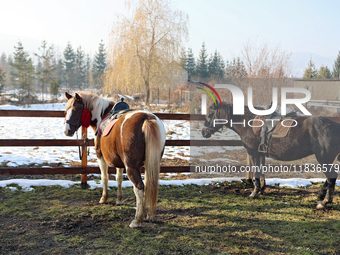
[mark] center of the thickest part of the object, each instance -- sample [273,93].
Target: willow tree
[145,47]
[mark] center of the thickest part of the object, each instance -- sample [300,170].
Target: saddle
[106,125]
[272,129]
[108,122]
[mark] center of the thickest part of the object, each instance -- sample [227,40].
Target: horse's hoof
[254,195]
[135,224]
[120,202]
[102,201]
[320,206]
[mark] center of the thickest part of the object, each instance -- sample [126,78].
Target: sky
[304,28]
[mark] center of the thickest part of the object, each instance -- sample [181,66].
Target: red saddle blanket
[105,126]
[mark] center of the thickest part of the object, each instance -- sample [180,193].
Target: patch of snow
[27,185]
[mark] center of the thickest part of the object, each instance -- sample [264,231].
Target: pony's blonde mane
[94,102]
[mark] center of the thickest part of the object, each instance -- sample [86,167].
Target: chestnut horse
[136,140]
[312,135]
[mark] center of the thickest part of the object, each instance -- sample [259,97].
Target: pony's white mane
[95,104]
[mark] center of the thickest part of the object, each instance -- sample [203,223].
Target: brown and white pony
[136,140]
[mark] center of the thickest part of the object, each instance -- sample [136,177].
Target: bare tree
[266,62]
[266,67]
[145,47]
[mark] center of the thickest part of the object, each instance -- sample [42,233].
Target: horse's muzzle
[68,131]
[206,133]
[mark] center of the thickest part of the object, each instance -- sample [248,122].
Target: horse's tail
[153,150]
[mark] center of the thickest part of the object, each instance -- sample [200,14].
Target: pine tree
[236,69]
[3,59]
[4,63]
[2,80]
[202,63]
[55,86]
[99,64]
[87,71]
[80,67]
[324,72]
[190,63]
[213,65]
[70,58]
[183,59]
[216,66]
[229,70]
[336,67]
[38,70]
[59,71]
[240,68]
[10,78]
[310,71]
[221,66]
[22,71]
[46,72]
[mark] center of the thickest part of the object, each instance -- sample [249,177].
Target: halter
[83,120]
[208,126]
[76,124]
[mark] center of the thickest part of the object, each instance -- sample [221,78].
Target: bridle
[208,123]
[77,123]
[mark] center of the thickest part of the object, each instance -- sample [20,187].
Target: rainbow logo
[208,92]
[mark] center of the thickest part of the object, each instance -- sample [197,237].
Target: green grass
[190,220]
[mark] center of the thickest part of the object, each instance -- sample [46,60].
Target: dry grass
[214,219]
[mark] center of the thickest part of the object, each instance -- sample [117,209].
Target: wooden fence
[84,169]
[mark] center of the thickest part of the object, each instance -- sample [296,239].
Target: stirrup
[265,150]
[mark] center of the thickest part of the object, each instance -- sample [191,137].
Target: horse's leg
[330,190]
[138,188]
[328,198]
[322,191]
[119,179]
[257,184]
[145,208]
[262,179]
[250,174]
[331,179]
[105,179]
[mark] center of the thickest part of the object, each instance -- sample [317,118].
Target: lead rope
[81,152]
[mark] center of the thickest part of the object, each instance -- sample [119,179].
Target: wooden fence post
[84,159]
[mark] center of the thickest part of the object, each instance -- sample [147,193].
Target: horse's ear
[68,96]
[78,98]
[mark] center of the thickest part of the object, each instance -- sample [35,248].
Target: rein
[86,143]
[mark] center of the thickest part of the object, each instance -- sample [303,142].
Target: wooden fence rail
[68,142]
[84,170]
[58,114]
